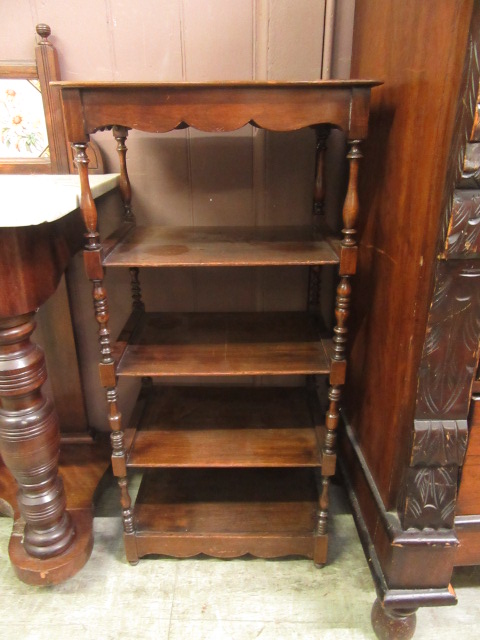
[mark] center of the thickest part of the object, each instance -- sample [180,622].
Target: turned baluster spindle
[320,177]
[328,449]
[100,305]
[314,280]
[119,455]
[30,440]
[351,206]
[136,289]
[331,421]
[95,272]
[87,203]
[340,330]
[322,517]
[120,134]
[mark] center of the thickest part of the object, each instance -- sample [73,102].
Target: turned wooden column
[30,438]
[37,239]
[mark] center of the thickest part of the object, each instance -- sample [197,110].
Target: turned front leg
[93,266]
[30,440]
[348,262]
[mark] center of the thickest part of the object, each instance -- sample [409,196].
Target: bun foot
[393,624]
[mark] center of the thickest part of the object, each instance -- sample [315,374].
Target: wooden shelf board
[225,427]
[156,246]
[227,512]
[225,344]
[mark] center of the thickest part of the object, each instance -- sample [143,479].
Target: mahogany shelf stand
[227,470]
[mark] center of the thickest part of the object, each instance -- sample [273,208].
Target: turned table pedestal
[40,229]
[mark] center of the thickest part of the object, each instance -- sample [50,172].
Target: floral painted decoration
[23,132]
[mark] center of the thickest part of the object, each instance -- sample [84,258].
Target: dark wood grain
[209,344]
[157,246]
[226,427]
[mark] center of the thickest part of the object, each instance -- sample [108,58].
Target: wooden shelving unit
[229,469]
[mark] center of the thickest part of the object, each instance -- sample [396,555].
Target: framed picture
[32,138]
[32,133]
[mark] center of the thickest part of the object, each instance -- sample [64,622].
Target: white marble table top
[32,199]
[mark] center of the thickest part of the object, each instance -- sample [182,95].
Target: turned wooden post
[348,255]
[30,440]
[95,272]
[136,289]
[120,134]
[314,274]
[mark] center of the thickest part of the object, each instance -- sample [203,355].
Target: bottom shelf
[227,513]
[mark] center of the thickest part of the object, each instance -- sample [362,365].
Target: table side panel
[159,108]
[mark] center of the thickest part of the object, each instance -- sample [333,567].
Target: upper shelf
[215,106]
[157,246]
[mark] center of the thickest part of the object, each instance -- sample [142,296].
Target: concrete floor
[242,599]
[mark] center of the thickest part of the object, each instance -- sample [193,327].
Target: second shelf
[222,344]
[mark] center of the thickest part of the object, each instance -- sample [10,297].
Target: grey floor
[241,599]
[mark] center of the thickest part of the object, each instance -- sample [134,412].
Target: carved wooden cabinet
[228,470]
[409,392]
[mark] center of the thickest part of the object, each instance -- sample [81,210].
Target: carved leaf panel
[463,237]
[450,351]
[430,497]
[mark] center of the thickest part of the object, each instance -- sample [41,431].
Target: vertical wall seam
[34,14]
[182,39]
[261,25]
[328,32]
[187,131]
[188,143]
[111,39]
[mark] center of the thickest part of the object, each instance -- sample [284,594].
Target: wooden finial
[43,31]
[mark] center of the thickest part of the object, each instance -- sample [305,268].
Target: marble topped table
[40,229]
